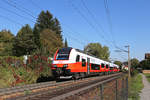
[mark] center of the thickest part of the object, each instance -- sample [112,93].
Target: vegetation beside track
[14,72]
[10,76]
[147,76]
[135,87]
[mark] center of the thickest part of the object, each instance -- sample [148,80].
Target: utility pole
[129,64]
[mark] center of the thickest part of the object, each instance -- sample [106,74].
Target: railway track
[49,90]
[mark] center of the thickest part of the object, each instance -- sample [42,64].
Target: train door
[88,65]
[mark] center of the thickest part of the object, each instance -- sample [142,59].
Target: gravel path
[145,93]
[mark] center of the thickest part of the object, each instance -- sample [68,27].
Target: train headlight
[55,66]
[66,65]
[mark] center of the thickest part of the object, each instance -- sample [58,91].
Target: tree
[50,41]
[134,63]
[97,50]
[119,63]
[66,43]
[36,34]
[145,64]
[46,21]
[24,42]
[6,38]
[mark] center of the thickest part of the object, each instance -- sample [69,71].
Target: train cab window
[102,65]
[83,62]
[107,66]
[78,58]
[63,54]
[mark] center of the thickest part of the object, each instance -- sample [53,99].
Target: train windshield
[63,54]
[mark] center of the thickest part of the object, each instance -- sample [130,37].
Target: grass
[147,76]
[135,87]
[7,78]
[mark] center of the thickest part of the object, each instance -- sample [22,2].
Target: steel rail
[61,89]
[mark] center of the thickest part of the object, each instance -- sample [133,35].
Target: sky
[119,23]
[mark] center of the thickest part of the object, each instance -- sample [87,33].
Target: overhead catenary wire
[92,15]
[74,38]
[110,25]
[76,34]
[109,21]
[89,23]
[66,26]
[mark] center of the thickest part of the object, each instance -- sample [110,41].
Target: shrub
[134,72]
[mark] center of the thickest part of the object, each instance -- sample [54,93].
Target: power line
[109,19]
[110,24]
[13,4]
[93,17]
[17,14]
[76,33]
[89,23]
[4,17]
[33,3]
[25,9]
[72,31]
[76,39]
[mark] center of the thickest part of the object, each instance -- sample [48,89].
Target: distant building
[147,55]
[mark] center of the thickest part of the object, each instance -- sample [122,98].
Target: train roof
[81,51]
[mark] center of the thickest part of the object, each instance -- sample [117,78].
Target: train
[73,63]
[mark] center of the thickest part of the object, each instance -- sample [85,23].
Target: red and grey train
[74,63]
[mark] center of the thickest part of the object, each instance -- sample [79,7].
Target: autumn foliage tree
[50,41]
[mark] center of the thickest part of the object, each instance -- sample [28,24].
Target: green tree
[6,38]
[97,50]
[134,63]
[24,42]
[66,43]
[119,63]
[145,64]
[36,34]
[50,41]
[46,21]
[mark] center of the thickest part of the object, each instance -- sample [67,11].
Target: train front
[60,68]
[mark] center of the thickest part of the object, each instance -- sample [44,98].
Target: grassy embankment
[147,76]
[13,72]
[16,76]
[135,87]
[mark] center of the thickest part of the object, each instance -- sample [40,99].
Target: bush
[11,61]
[40,64]
[134,72]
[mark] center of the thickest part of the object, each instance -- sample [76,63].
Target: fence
[111,89]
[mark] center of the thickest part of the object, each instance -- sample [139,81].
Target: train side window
[102,65]
[107,66]
[78,58]
[83,62]
[95,67]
